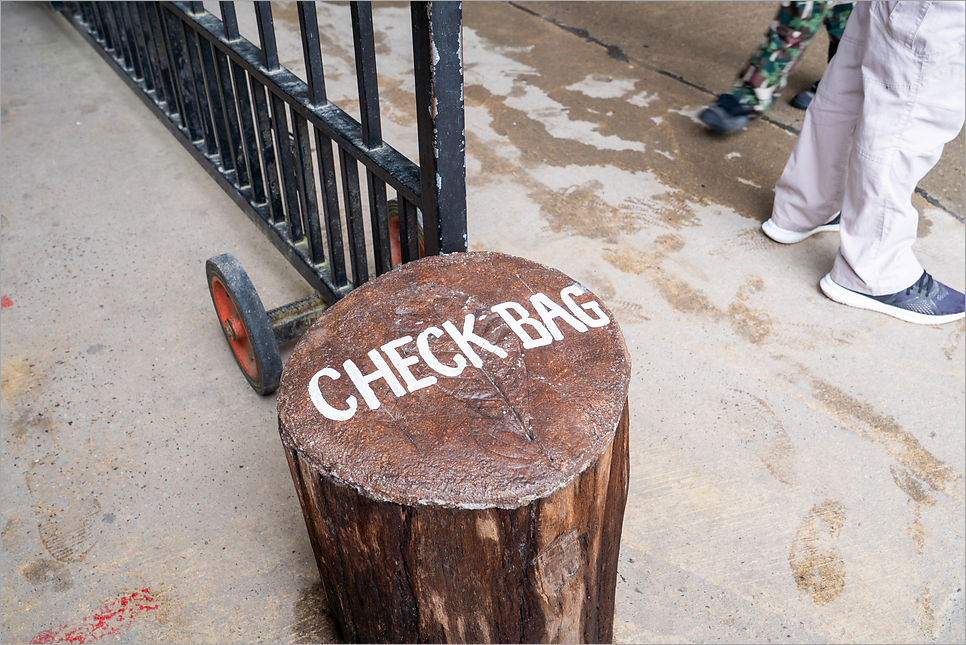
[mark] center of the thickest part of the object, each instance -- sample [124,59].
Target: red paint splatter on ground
[5,302]
[106,621]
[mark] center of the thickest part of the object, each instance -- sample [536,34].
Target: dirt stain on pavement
[755,325]
[911,486]
[819,571]
[758,426]
[65,507]
[45,571]
[925,616]
[955,339]
[886,433]
[31,425]
[18,376]
[679,294]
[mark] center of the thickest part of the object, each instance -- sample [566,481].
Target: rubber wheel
[245,323]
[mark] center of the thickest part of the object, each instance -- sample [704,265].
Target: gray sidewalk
[797,466]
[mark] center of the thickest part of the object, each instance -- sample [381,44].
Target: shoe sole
[845,296]
[791,237]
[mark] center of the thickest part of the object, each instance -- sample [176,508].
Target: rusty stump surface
[470,381]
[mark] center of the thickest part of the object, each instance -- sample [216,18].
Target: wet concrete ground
[797,468]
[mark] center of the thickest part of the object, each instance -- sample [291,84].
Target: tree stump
[457,432]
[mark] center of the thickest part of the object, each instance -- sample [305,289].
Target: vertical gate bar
[109,36]
[279,120]
[438,64]
[305,176]
[312,52]
[422,78]
[142,32]
[196,70]
[263,125]
[229,20]
[117,10]
[366,77]
[266,35]
[188,107]
[247,167]
[107,14]
[247,133]
[173,101]
[379,223]
[81,8]
[162,87]
[94,20]
[132,44]
[219,107]
[368,84]
[110,19]
[408,229]
[231,113]
[286,166]
[162,41]
[330,208]
[104,28]
[353,217]
[446,21]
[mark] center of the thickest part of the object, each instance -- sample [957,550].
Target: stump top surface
[495,395]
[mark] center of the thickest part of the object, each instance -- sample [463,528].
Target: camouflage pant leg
[761,81]
[835,25]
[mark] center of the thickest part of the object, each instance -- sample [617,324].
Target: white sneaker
[779,234]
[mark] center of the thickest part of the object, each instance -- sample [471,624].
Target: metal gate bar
[254,126]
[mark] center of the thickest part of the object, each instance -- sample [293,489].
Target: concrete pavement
[797,466]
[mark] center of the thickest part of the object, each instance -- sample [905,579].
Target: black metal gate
[265,135]
[250,122]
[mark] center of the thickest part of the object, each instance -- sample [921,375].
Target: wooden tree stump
[457,432]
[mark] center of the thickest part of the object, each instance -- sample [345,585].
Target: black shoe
[803,99]
[727,115]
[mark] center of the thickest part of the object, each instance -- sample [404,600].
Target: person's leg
[765,75]
[762,79]
[914,103]
[835,20]
[810,190]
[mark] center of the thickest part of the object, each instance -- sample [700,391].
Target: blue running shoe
[927,302]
